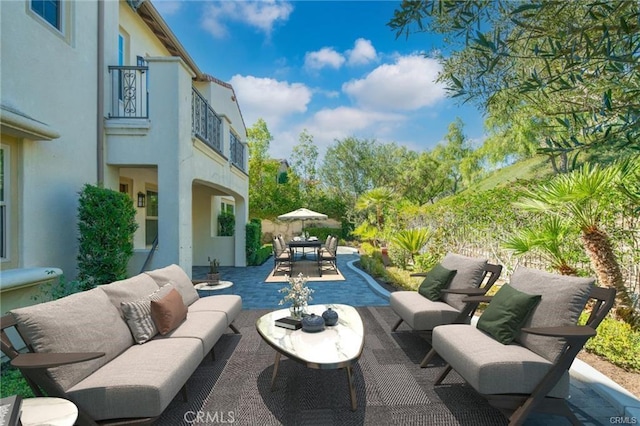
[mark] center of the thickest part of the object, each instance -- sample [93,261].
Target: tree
[423,179]
[573,65]
[377,199]
[583,197]
[456,156]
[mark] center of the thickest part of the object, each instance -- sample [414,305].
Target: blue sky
[331,67]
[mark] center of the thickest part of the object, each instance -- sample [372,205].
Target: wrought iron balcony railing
[129,96]
[237,152]
[205,123]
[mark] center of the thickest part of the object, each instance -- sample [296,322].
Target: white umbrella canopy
[302,214]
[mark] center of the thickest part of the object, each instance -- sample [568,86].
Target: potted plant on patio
[213,277]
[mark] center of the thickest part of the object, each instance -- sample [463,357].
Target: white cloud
[362,53]
[269,99]
[167,7]
[325,57]
[407,84]
[261,15]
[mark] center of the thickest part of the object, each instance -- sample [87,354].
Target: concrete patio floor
[595,399]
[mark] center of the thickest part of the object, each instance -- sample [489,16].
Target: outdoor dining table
[303,244]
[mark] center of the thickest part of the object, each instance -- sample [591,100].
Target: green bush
[226,224]
[322,233]
[252,241]
[12,383]
[106,223]
[263,254]
[617,342]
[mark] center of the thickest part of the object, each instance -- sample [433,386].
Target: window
[151,221]
[227,208]
[49,10]
[4,201]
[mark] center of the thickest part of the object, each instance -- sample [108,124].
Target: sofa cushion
[563,299]
[141,382]
[206,326]
[229,304]
[182,282]
[82,322]
[168,312]
[134,288]
[419,312]
[138,314]
[470,271]
[491,367]
[506,313]
[436,279]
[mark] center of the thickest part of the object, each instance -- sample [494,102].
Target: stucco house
[103,92]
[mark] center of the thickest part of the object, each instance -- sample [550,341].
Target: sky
[332,68]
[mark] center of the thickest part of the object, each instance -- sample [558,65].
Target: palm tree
[548,239]
[412,240]
[581,198]
[378,199]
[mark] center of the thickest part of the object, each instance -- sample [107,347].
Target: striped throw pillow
[138,315]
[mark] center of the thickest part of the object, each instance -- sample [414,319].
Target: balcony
[236,149]
[205,123]
[129,96]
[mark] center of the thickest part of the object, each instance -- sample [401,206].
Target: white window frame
[5,202]
[66,18]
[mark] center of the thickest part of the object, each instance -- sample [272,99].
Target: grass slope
[532,168]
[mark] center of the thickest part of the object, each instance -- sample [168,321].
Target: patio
[388,379]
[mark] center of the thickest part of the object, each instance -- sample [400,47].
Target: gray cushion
[563,299]
[206,326]
[134,288]
[491,367]
[138,314]
[436,279]
[419,312]
[82,322]
[229,304]
[470,271]
[141,382]
[175,275]
[506,313]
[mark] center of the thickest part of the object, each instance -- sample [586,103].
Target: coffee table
[336,347]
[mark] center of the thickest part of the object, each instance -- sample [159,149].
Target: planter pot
[213,278]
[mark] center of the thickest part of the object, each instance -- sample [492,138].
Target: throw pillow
[138,315]
[168,312]
[506,313]
[437,278]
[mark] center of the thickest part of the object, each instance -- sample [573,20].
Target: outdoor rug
[308,268]
[391,387]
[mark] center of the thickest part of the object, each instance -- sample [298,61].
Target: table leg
[352,389]
[276,364]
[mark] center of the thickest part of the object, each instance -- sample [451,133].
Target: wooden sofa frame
[517,407]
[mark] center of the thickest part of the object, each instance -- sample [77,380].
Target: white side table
[206,287]
[48,411]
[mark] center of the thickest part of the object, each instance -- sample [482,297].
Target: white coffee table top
[335,347]
[48,411]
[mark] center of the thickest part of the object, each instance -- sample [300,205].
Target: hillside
[531,168]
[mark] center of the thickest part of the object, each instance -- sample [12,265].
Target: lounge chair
[423,314]
[532,371]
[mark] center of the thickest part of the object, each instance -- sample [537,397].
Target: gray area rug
[391,387]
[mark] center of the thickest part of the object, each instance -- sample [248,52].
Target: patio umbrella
[302,214]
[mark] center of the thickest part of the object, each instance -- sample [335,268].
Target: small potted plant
[213,277]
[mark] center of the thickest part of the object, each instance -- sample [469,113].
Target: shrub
[106,223]
[263,254]
[13,383]
[323,233]
[226,224]
[617,342]
[252,241]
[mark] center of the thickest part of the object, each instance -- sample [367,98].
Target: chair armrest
[418,274]
[471,291]
[568,332]
[49,359]
[477,299]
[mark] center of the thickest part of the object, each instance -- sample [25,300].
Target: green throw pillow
[436,279]
[506,313]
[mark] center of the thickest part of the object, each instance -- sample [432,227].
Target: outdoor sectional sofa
[83,349]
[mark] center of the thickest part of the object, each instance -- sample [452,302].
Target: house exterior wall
[53,80]
[51,77]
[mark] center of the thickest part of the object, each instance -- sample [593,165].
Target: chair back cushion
[82,322]
[470,272]
[175,275]
[563,299]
